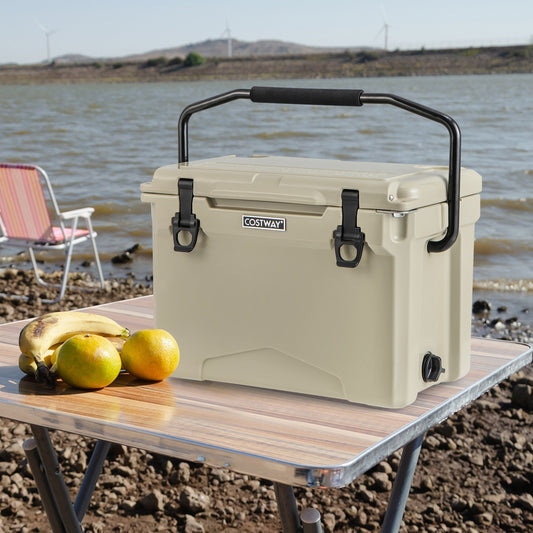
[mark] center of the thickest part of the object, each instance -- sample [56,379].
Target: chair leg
[64,278]
[36,269]
[95,252]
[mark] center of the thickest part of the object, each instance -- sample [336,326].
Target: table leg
[311,521]
[55,480]
[402,485]
[34,461]
[91,477]
[288,511]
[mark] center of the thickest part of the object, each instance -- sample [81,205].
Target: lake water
[99,142]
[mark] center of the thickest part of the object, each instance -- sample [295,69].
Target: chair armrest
[84,212]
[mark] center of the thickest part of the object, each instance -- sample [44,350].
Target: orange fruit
[88,361]
[150,354]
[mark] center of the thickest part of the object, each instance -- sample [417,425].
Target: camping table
[291,439]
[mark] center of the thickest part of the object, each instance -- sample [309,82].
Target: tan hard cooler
[333,278]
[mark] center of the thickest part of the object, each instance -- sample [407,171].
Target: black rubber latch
[349,234]
[431,367]
[185,225]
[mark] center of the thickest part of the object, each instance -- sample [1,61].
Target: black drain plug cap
[431,367]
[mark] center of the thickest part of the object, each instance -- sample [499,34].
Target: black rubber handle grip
[292,95]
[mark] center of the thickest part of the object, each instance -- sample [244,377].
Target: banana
[42,333]
[28,365]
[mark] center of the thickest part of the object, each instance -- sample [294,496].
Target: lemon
[88,361]
[150,354]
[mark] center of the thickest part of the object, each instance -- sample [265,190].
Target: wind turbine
[227,33]
[385,29]
[47,34]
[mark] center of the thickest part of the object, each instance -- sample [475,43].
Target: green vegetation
[369,55]
[155,62]
[193,59]
[518,52]
[469,52]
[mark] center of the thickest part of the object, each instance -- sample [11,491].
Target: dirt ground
[475,472]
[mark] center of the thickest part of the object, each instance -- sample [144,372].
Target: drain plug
[431,367]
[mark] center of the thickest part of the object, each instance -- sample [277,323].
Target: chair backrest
[23,206]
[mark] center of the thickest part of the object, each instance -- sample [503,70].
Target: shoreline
[368,63]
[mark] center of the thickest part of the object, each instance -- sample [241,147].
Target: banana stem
[43,375]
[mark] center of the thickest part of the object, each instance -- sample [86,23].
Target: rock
[13,452]
[382,483]
[525,501]
[253,485]
[7,311]
[7,468]
[152,502]
[431,442]
[445,429]
[385,467]
[459,504]
[365,495]
[426,484]
[518,482]
[184,472]
[476,459]
[484,519]
[193,501]
[122,258]
[361,519]
[481,307]
[126,256]
[329,521]
[523,396]
[495,498]
[192,525]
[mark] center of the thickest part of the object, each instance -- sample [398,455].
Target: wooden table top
[286,437]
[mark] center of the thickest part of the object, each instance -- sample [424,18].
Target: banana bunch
[39,339]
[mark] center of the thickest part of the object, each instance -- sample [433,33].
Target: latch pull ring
[185,225]
[349,233]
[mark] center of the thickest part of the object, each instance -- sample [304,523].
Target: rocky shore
[348,64]
[475,472]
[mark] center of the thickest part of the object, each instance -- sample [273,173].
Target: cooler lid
[387,186]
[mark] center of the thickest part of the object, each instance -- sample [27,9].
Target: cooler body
[261,300]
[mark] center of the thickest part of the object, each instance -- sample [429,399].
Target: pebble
[426,484]
[194,501]
[192,525]
[481,307]
[329,521]
[382,483]
[523,396]
[152,502]
[525,501]
[484,519]
[476,459]
[184,472]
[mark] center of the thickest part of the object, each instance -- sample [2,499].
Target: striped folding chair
[25,220]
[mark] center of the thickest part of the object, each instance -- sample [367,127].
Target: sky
[116,28]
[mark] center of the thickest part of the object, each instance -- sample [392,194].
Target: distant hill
[345,64]
[218,48]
